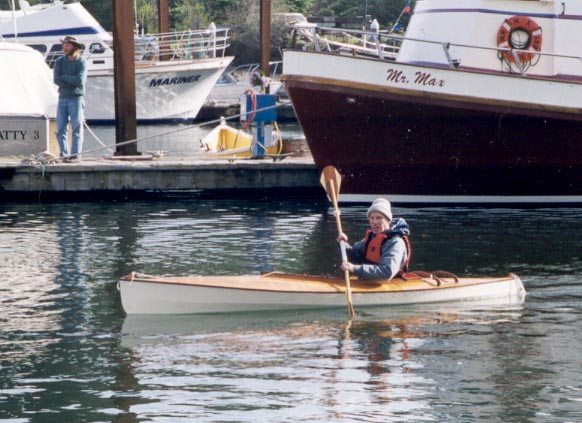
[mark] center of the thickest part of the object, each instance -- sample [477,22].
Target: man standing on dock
[70,75]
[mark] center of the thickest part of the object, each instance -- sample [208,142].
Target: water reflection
[311,365]
[68,353]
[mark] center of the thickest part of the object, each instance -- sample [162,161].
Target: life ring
[510,28]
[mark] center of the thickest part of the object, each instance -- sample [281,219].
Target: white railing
[346,41]
[172,46]
[386,46]
[185,45]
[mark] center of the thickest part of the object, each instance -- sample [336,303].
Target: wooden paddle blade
[331,181]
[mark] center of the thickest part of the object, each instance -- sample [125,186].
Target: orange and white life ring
[508,37]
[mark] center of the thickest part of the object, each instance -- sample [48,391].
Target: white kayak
[145,294]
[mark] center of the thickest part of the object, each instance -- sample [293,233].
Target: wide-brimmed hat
[72,40]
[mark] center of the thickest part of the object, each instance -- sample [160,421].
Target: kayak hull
[142,294]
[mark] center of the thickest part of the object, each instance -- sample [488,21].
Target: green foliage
[299,6]
[242,16]
[186,14]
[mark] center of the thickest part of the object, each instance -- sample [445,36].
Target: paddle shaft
[332,189]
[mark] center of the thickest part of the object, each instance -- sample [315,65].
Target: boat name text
[16,135]
[420,78]
[159,82]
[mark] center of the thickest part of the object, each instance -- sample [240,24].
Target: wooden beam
[164,28]
[265,35]
[124,77]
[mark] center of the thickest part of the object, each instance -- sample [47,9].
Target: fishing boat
[479,102]
[144,294]
[225,141]
[174,72]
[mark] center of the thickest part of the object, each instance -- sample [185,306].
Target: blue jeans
[73,109]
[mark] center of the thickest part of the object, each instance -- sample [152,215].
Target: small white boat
[144,294]
[174,72]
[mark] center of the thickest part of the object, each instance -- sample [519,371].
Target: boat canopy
[26,83]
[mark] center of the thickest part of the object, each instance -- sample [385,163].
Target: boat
[29,102]
[480,101]
[144,294]
[235,82]
[174,72]
[225,141]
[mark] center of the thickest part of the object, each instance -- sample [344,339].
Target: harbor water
[68,353]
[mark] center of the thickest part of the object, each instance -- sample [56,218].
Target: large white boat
[172,89]
[28,102]
[479,102]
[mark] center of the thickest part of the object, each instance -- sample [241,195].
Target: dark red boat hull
[390,143]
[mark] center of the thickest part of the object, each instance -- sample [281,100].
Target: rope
[40,160]
[96,137]
[280,138]
[186,128]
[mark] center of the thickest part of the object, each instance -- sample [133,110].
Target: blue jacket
[70,76]
[393,254]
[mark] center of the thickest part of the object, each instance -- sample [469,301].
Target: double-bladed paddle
[331,181]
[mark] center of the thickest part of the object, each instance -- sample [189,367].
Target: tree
[242,16]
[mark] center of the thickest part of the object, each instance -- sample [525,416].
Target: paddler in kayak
[385,250]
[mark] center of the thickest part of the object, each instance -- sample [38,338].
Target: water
[69,354]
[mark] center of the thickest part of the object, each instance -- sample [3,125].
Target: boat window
[96,48]
[38,47]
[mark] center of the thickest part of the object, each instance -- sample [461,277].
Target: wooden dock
[113,177]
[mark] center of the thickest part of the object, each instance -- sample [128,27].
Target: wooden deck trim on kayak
[311,284]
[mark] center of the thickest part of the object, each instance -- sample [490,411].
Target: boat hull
[164,93]
[450,140]
[225,294]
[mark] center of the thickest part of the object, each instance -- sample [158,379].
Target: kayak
[145,294]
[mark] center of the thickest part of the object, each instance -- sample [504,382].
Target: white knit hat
[381,205]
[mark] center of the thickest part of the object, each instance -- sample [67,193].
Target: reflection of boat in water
[174,71]
[151,329]
[479,102]
[143,294]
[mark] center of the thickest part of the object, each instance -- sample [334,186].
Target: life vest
[373,248]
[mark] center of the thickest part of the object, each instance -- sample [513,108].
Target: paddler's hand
[342,237]
[348,266]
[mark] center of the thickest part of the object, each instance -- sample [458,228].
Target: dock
[93,178]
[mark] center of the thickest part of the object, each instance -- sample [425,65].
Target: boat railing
[244,72]
[171,46]
[387,45]
[345,41]
[184,45]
